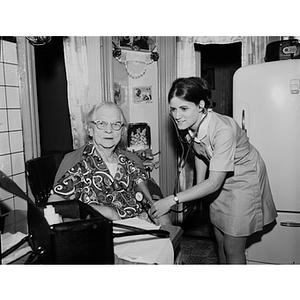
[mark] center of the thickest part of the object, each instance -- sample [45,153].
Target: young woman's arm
[200,190]
[201,169]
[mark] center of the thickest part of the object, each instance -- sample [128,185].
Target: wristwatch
[176,199]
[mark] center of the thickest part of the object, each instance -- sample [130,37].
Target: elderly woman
[99,173]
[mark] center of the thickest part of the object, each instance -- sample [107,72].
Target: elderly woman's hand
[161,207]
[108,212]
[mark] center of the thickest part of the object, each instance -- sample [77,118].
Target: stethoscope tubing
[184,156]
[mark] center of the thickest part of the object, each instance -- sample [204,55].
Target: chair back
[41,172]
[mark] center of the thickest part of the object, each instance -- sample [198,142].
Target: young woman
[237,180]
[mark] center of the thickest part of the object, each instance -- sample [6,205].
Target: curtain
[28,96]
[87,65]
[253,50]
[75,53]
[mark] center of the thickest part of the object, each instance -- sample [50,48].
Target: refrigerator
[266,103]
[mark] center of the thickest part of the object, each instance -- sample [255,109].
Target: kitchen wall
[11,135]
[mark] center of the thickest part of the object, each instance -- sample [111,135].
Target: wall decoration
[136,43]
[142,94]
[119,94]
[139,137]
[136,52]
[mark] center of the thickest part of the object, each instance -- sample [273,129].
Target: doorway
[218,63]
[53,109]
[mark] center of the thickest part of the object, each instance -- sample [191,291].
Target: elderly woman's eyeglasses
[101,125]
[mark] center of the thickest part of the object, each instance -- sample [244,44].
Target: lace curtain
[88,79]
[253,50]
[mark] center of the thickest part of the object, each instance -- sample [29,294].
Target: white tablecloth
[143,248]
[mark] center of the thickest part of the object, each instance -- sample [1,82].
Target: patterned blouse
[90,181]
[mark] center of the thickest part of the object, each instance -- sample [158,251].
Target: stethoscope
[184,155]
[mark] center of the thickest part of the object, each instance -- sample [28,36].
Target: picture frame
[138,137]
[142,94]
[119,94]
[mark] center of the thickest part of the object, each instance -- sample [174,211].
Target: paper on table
[143,248]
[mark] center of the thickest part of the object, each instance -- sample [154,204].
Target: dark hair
[192,89]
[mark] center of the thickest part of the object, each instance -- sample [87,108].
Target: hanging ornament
[135,61]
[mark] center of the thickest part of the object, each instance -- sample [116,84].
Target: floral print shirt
[90,181]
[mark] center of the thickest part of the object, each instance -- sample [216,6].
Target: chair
[41,172]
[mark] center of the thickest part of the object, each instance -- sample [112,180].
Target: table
[16,220]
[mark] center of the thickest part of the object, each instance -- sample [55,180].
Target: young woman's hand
[161,207]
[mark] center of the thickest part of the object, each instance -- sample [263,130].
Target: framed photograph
[139,137]
[142,94]
[119,94]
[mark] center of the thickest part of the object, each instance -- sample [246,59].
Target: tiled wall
[11,135]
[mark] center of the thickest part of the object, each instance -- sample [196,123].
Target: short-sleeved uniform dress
[245,203]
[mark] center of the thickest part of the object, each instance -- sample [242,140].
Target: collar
[90,149]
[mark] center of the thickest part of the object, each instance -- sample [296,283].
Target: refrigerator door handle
[244,121]
[290,224]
